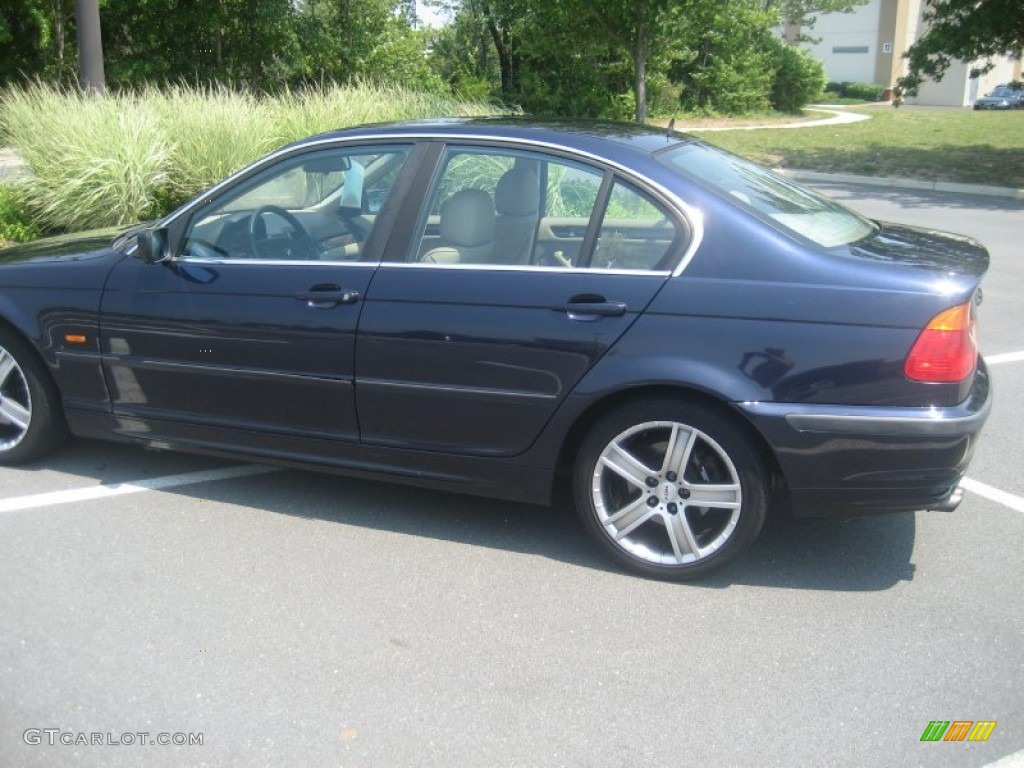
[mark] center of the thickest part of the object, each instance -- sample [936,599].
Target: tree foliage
[599,58]
[263,44]
[726,61]
[968,30]
[799,78]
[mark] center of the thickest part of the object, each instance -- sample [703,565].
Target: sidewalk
[891,182]
[839,116]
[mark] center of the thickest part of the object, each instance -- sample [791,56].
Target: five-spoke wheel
[30,419]
[670,488]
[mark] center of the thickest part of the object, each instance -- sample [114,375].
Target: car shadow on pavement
[859,554]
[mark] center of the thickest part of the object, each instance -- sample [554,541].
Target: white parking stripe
[137,486]
[993,494]
[247,470]
[1007,357]
[1016,760]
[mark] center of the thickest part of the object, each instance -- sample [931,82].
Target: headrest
[467,219]
[518,193]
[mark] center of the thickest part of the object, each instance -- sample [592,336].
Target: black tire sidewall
[721,427]
[47,428]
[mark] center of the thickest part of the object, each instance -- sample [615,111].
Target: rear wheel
[671,489]
[31,422]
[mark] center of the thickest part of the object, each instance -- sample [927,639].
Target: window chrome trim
[275,262]
[522,268]
[690,214]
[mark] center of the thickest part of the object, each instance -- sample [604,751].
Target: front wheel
[670,489]
[31,421]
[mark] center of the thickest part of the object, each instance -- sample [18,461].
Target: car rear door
[468,346]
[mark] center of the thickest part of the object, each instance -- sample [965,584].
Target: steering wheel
[302,247]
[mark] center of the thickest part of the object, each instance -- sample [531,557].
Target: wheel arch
[33,346]
[584,422]
[45,403]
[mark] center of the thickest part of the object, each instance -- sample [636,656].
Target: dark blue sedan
[499,306]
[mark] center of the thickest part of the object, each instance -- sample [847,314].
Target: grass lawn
[911,142]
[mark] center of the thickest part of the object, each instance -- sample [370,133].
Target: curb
[901,183]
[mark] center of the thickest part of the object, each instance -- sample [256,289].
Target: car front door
[524,270]
[251,324]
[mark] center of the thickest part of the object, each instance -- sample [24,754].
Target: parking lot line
[137,486]
[1016,760]
[993,494]
[54,498]
[1006,357]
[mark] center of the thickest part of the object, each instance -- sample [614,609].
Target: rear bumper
[849,460]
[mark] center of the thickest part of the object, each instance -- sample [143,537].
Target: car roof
[595,136]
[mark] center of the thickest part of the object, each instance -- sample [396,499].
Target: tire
[31,419]
[644,510]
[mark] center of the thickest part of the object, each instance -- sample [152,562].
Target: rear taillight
[946,350]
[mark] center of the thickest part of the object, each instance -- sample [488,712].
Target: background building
[867,46]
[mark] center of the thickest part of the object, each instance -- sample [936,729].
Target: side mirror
[152,246]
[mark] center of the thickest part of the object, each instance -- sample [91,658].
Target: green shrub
[15,222]
[862,91]
[799,79]
[124,157]
[866,91]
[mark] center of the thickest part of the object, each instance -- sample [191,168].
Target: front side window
[509,208]
[319,206]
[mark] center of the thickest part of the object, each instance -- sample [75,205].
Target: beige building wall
[868,45]
[958,89]
[897,29]
[848,43]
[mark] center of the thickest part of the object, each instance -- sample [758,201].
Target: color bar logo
[958,730]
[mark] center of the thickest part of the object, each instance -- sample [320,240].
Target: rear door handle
[326,296]
[588,310]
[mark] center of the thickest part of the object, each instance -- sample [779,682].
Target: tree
[34,38]
[90,46]
[568,67]
[462,53]
[724,56]
[501,21]
[968,30]
[642,28]
[799,77]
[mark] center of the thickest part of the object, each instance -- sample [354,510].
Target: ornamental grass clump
[99,161]
[212,132]
[93,161]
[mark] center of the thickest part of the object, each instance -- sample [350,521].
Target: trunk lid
[925,248]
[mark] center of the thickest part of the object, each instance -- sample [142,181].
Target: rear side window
[636,232]
[492,207]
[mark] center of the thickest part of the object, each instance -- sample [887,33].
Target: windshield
[1001,92]
[791,208]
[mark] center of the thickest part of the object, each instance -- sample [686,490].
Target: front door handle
[590,308]
[326,295]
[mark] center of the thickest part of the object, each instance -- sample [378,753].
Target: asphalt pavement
[287,618]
